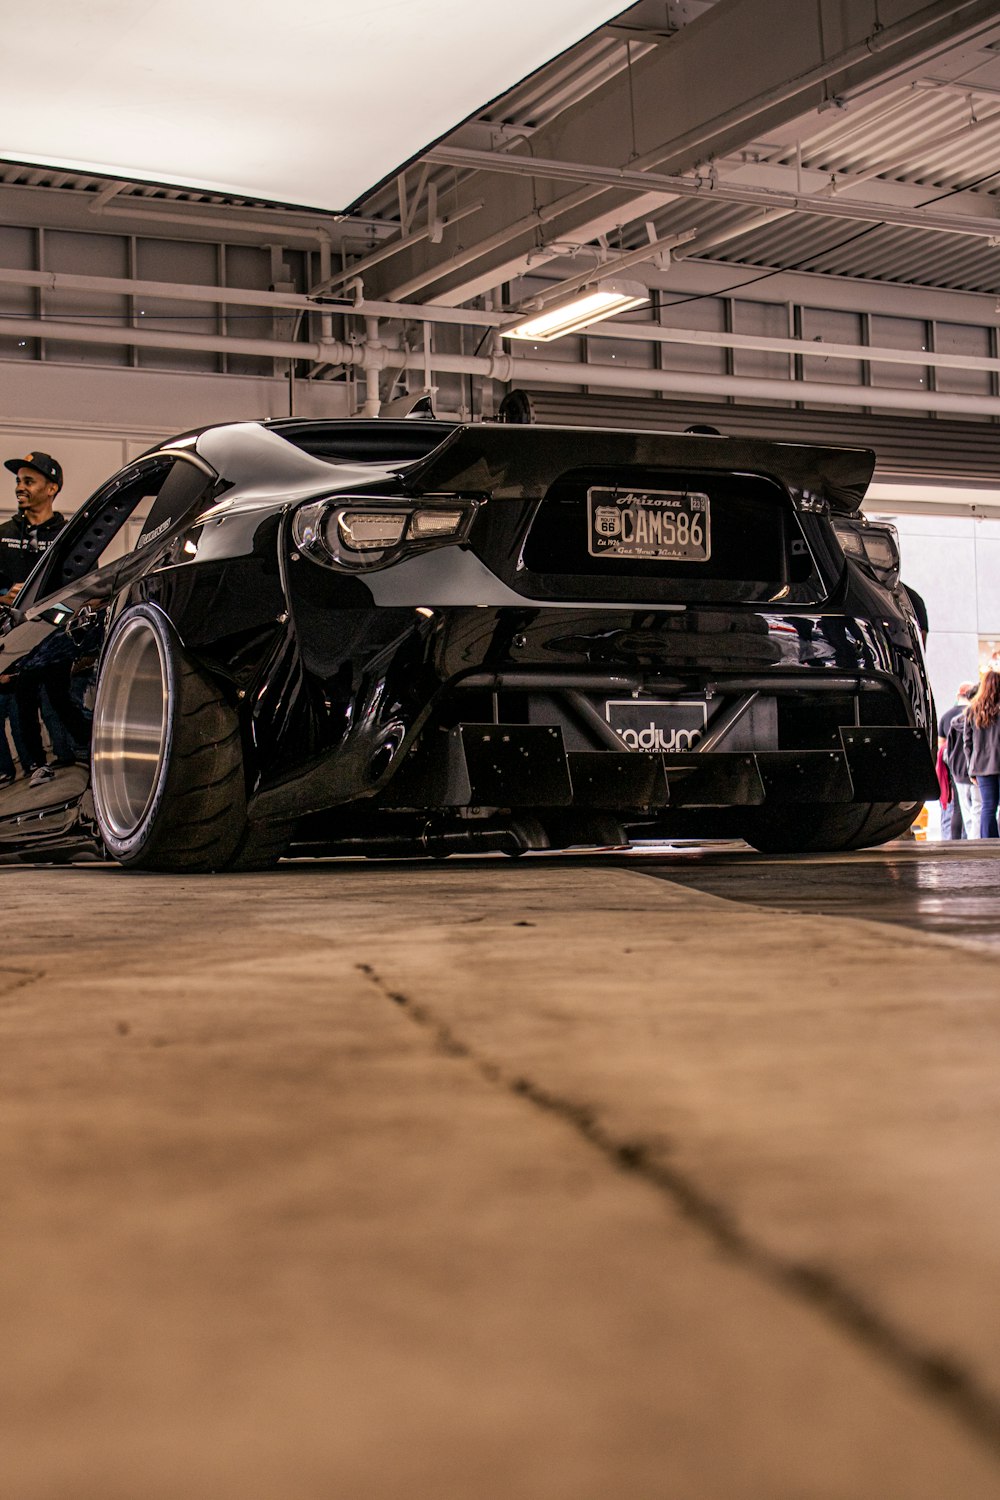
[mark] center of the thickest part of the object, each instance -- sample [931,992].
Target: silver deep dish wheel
[166,758]
[130,728]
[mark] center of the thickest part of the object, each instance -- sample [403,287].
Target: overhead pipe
[182,291]
[286,233]
[505,367]
[374,356]
[652,333]
[393,247]
[659,333]
[174,291]
[715,191]
[151,338]
[372,363]
[877,41]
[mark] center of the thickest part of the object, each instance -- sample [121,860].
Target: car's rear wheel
[167,760]
[818,829]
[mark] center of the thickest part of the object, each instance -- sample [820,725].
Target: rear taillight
[364,532]
[874,547]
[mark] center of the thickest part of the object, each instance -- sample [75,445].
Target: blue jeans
[952,822]
[62,745]
[23,742]
[989,790]
[971,802]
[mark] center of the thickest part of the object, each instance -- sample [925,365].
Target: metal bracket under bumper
[524,765]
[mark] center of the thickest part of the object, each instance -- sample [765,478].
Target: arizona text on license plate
[668,524]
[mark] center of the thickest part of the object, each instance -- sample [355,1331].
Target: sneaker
[40,775]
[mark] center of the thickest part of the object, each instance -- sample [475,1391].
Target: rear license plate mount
[658,725]
[649,525]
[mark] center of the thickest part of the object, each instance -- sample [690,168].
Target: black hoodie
[22,544]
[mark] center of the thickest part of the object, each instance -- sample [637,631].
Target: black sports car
[414,637]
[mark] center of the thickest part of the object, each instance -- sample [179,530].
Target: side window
[160,512]
[128,515]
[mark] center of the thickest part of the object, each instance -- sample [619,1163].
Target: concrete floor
[950,889]
[536,1180]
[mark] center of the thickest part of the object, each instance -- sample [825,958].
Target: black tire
[167,757]
[829,829]
[260,847]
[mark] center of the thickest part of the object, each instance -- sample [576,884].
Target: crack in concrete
[12,980]
[934,1374]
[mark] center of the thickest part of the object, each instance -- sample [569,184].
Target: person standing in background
[967,802]
[36,525]
[956,819]
[23,539]
[981,736]
[919,609]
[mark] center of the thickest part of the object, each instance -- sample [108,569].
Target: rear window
[364,442]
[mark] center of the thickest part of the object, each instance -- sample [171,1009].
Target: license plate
[672,525]
[657,724]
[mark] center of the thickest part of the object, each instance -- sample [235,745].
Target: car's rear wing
[513,461]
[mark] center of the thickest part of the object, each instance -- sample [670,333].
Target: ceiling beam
[710,189]
[743,68]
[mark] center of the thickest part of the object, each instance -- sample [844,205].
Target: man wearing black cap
[32,531]
[23,539]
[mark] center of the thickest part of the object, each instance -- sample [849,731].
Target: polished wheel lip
[130,729]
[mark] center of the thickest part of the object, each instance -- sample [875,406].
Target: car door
[52,639]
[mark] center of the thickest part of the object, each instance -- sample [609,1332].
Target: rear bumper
[528,766]
[394,704]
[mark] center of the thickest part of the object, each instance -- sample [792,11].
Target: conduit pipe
[877,41]
[372,362]
[278,230]
[863,209]
[177,291]
[658,333]
[149,338]
[684,383]
[393,247]
[649,333]
[117,286]
[373,357]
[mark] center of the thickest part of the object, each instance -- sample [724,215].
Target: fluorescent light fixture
[310,106]
[569,314]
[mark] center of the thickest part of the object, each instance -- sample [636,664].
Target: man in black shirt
[32,531]
[23,539]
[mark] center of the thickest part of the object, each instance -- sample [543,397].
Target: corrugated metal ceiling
[938,133]
[937,129]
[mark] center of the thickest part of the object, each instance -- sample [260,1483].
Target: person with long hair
[981,734]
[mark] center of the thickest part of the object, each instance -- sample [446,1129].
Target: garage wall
[954,563]
[95,419]
[96,406]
